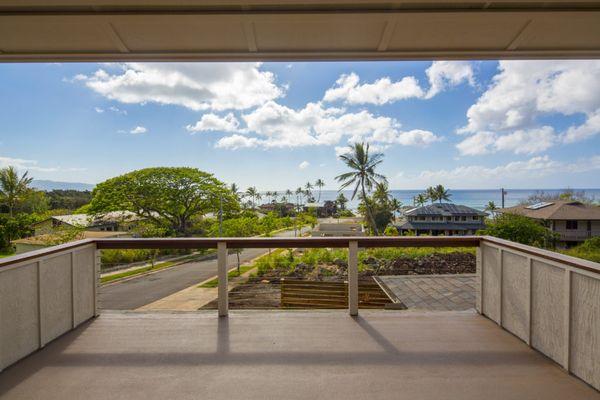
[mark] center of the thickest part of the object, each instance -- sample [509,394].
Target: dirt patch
[257,293]
[437,263]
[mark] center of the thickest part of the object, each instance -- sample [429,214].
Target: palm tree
[253,194]
[363,174]
[319,183]
[491,207]
[299,194]
[420,199]
[236,191]
[288,194]
[396,206]
[269,196]
[431,194]
[308,188]
[442,193]
[342,200]
[275,194]
[13,187]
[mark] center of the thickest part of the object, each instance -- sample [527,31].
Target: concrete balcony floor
[289,355]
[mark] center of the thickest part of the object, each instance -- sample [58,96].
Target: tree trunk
[368,207]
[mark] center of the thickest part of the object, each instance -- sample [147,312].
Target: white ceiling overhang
[102,30]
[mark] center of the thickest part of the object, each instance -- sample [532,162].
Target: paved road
[134,293]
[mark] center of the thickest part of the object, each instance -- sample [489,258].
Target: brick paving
[433,292]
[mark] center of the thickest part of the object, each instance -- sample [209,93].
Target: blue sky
[529,124]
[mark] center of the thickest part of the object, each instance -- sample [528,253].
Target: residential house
[572,221]
[114,221]
[50,239]
[443,219]
[326,229]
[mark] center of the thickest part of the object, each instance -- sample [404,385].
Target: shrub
[588,250]
[520,229]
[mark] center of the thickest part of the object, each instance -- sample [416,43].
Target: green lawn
[6,254]
[232,274]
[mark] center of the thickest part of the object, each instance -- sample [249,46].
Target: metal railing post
[222,274]
[353,277]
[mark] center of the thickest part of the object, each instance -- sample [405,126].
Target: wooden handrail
[283,242]
[305,242]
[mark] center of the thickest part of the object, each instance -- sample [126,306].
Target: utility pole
[504,192]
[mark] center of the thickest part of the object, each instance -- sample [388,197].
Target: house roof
[86,221]
[78,220]
[557,210]
[444,209]
[49,238]
[440,226]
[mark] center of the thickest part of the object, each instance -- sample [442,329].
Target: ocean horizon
[476,198]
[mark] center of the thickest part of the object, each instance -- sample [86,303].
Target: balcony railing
[548,300]
[577,235]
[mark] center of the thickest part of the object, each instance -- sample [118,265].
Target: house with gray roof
[443,219]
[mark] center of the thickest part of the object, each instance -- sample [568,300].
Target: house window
[571,224]
[463,218]
[448,218]
[475,218]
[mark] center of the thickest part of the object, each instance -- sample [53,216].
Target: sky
[464,124]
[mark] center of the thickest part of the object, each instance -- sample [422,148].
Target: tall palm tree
[268,195]
[299,194]
[341,200]
[308,192]
[396,206]
[13,187]
[319,183]
[442,193]
[363,175]
[420,199]
[253,194]
[491,207]
[431,194]
[275,194]
[236,191]
[288,194]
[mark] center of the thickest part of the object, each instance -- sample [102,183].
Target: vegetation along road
[134,293]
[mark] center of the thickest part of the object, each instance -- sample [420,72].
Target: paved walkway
[433,292]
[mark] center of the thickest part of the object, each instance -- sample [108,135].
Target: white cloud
[441,75]
[380,92]
[32,165]
[516,172]
[280,126]
[198,86]
[213,122]
[138,130]
[529,141]
[99,110]
[235,142]
[444,74]
[589,128]
[477,144]
[524,90]
[304,165]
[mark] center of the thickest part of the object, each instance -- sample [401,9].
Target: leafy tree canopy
[169,196]
[520,229]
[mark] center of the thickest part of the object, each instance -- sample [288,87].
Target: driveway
[136,292]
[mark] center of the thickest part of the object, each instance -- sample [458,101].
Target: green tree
[253,194]
[309,188]
[170,197]
[342,200]
[520,229]
[320,184]
[441,193]
[16,227]
[362,176]
[431,194]
[491,207]
[420,199]
[13,188]
[396,206]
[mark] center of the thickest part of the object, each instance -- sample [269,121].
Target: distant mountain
[52,185]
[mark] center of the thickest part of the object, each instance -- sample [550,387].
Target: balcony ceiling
[105,30]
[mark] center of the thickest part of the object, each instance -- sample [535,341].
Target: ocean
[472,198]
